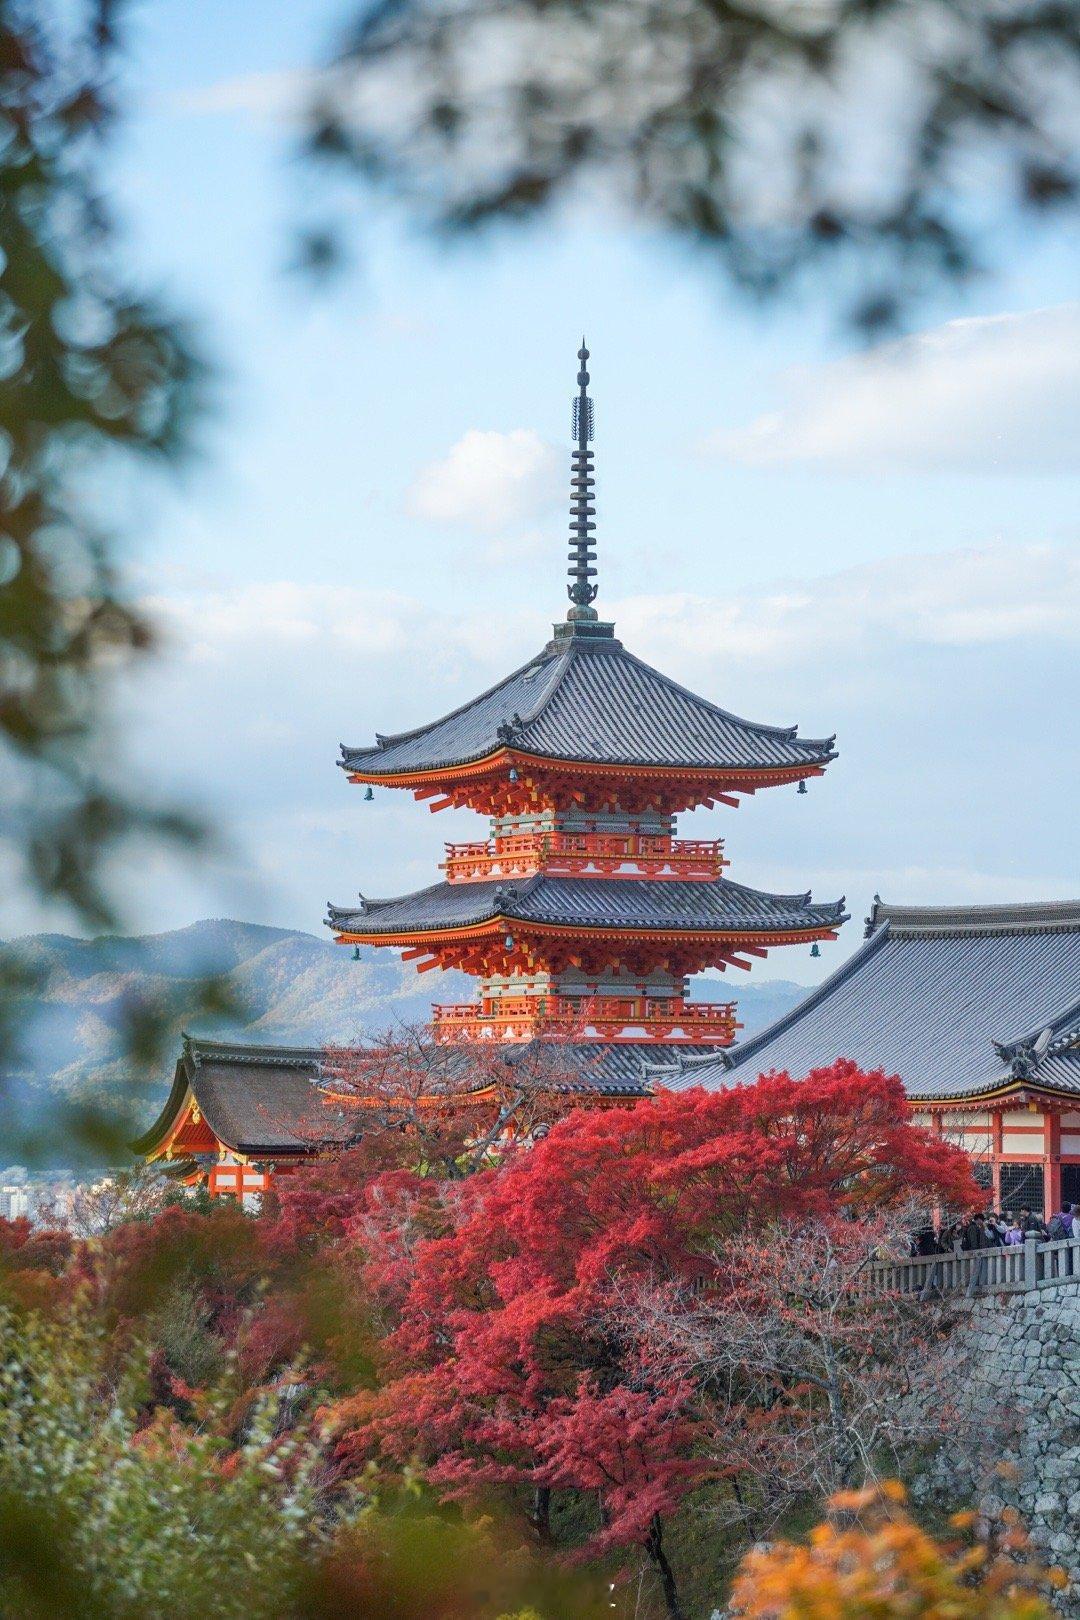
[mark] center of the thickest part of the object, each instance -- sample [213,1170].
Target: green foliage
[742,127]
[115,1505]
[89,368]
[93,373]
[99,1517]
[181,1328]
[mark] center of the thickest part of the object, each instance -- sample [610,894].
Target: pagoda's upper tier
[585,699]
[722,908]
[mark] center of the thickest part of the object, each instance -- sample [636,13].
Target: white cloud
[274,95]
[1000,393]
[950,680]
[979,597]
[274,625]
[490,481]
[953,599]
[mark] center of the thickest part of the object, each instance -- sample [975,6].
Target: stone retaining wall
[1018,1359]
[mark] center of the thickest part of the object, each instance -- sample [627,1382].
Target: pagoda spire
[581,590]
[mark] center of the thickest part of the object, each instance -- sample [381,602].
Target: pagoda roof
[720,907]
[585,699]
[960,1002]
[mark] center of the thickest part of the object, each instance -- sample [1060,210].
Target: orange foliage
[870,1561]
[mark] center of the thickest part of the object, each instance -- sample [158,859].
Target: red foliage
[137,1266]
[33,1266]
[24,1247]
[312,1207]
[507,1363]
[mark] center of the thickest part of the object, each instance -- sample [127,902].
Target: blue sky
[882,545]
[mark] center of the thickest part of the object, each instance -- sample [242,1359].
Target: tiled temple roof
[958,1001]
[269,1100]
[718,907]
[255,1099]
[585,698]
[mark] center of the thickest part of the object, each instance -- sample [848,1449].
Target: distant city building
[14,1203]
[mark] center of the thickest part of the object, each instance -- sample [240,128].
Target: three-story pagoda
[582,915]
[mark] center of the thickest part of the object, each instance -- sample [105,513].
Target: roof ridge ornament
[582,573]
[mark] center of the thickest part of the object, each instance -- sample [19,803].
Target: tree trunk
[654,1546]
[837,1418]
[540,1515]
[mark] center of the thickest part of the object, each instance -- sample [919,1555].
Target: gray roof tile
[267,1099]
[719,907]
[590,700]
[254,1098]
[940,996]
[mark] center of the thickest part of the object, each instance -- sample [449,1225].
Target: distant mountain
[289,987]
[285,987]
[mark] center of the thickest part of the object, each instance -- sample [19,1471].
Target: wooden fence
[982,1271]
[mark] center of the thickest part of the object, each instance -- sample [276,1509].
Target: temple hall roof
[585,698]
[958,1001]
[668,907]
[269,1100]
[255,1099]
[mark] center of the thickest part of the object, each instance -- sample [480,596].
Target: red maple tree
[508,1361]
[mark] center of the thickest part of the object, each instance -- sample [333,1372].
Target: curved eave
[187,1172]
[1009,1087]
[161,1139]
[155,1140]
[500,762]
[1024,916]
[501,923]
[1067,1020]
[348,1099]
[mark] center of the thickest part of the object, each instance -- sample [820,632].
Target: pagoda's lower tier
[555,924]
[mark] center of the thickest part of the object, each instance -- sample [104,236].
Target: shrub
[870,1561]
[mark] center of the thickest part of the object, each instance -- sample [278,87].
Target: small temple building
[977,1009]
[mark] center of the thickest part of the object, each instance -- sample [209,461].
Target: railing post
[1031,1261]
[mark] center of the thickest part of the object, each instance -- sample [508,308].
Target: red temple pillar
[997,1140]
[1052,1159]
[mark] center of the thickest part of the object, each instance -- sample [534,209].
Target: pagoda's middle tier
[549,924]
[614,845]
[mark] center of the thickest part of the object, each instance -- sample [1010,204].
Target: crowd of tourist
[995,1229]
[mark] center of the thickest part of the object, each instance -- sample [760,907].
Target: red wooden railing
[596,1018]
[583,854]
